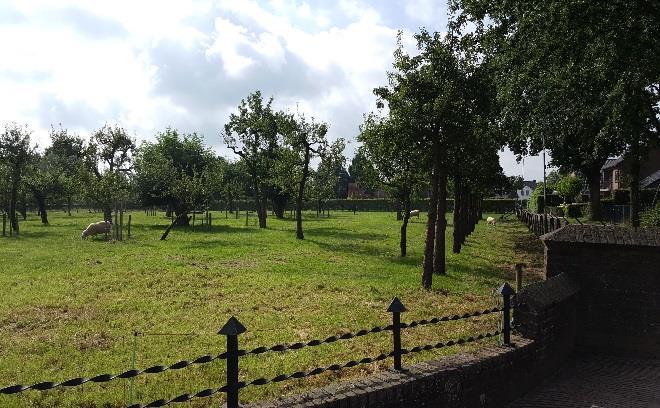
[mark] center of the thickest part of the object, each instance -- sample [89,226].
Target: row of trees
[178,171]
[434,129]
[69,168]
[581,79]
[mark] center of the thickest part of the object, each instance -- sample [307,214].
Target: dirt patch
[93,341]
[41,318]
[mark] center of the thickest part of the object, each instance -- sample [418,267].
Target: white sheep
[414,213]
[101,227]
[490,221]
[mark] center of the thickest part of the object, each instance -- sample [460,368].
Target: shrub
[535,203]
[650,217]
[569,187]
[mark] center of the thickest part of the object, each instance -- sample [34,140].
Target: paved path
[599,382]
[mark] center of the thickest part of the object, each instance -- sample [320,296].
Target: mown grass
[70,308]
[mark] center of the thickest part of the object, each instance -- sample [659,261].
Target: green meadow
[72,307]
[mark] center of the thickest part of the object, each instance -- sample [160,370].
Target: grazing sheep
[101,227]
[414,213]
[490,221]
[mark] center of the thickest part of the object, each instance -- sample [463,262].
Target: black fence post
[129,225]
[4,223]
[396,308]
[506,291]
[231,330]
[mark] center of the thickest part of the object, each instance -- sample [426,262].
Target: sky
[147,65]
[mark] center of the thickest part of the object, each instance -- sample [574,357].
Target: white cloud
[187,63]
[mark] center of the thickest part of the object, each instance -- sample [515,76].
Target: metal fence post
[231,330]
[506,291]
[396,308]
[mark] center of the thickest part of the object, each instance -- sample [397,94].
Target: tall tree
[387,145]
[306,139]
[426,89]
[580,78]
[252,134]
[15,153]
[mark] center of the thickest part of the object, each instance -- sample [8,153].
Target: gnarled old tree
[325,182]
[15,153]
[178,171]
[389,147]
[252,134]
[109,162]
[306,140]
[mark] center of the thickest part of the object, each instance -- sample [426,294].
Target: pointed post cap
[506,290]
[232,328]
[396,306]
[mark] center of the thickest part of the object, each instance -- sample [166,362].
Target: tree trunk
[427,274]
[404,224]
[107,214]
[13,198]
[279,206]
[260,203]
[182,219]
[68,205]
[634,182]
[593,178]
[263,212]
[299,199]
[456,247]
[41,205]
[439,265]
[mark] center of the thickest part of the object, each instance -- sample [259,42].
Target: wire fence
[233,329]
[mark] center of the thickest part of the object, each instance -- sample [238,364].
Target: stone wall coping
[368,388]
[604,235]
[540,295]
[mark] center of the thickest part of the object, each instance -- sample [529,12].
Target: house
[527,189]
[614,173]
[356,191]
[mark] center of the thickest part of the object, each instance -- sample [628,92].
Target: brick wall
[490,377]
[618,272]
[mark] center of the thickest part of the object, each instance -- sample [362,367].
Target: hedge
[382,204]
[650,217]
[646,196]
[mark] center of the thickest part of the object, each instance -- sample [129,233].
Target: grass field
[70,308]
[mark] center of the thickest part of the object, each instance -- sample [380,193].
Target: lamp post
[545,197]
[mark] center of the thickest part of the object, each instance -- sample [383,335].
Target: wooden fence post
[519,276]
[129,225]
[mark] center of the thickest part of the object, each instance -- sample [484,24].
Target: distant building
[527,189]
[614,173]
[356,191]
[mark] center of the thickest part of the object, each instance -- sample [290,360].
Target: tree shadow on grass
[349,247]
[343,234]
[199,229]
